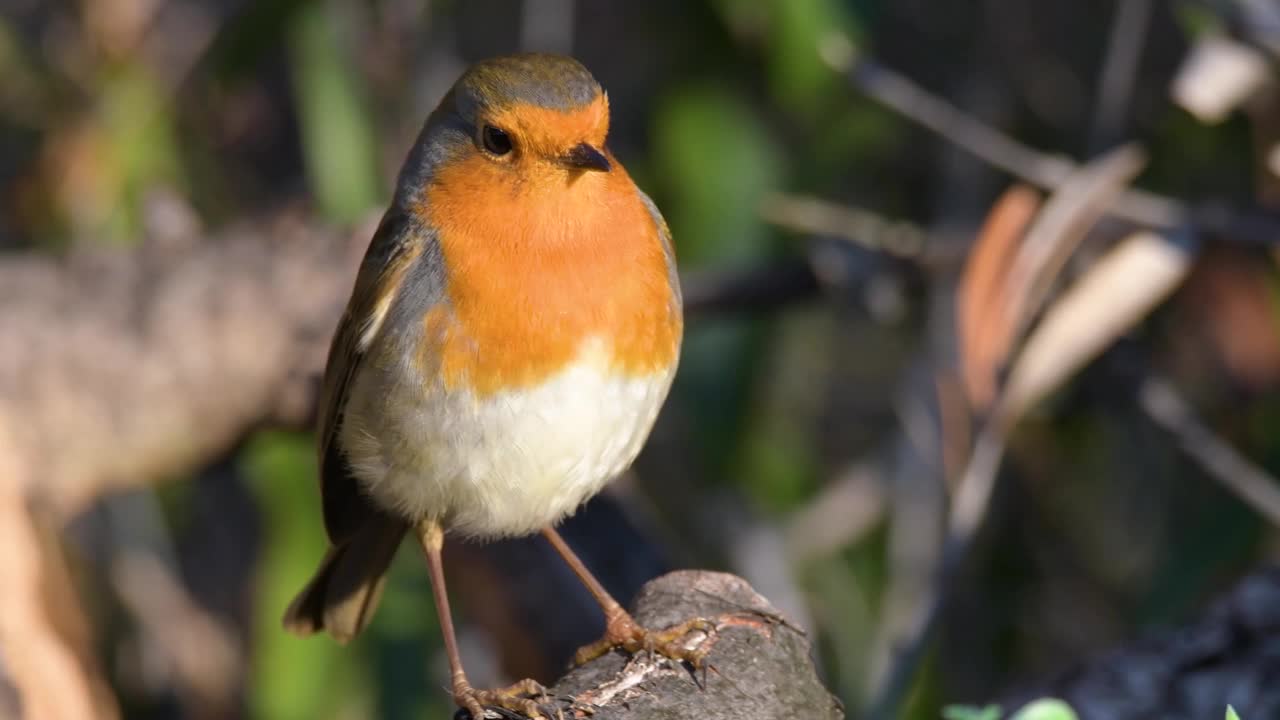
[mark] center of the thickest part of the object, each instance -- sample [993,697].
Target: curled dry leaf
[1011,273]
[984,334]
[1062,224]
[1110,299]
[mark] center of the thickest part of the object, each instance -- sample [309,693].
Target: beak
[585,157]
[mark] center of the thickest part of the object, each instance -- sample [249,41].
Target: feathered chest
[534,270]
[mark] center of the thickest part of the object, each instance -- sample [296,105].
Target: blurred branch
[45,646]
[123,368]
[839,516]
[1253,485]
[1119,71]
[863,228]
[205,655]
[899,93]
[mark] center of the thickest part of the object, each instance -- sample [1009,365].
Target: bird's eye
[495,140]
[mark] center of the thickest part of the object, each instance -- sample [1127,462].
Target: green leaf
[798,76]
[1046,709]
[971,712]
[1231,713]
[714,161]
[294,678]
[337,134]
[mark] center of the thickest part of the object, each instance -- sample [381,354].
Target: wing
[665,233]
[395,245]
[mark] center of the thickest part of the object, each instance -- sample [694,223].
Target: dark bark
[759,664]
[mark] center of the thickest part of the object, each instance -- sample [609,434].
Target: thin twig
[1119,71]
[841,515]
[968,510]
[859,226]
[1253,485]
[899,93]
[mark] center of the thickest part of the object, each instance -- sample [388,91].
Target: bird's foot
[513,701]
[622,631]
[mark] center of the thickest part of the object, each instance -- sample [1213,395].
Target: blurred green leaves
[715,161]
[292,678]
[338,140]
[140,147]
[1043,709]
[798,77]
[382,673]
[970,712]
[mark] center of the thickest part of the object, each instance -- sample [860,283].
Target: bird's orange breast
[536,264]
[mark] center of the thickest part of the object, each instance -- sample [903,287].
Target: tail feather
[343,594]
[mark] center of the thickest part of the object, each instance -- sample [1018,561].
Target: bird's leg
[517,697]
[621,630]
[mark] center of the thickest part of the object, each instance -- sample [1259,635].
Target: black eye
[495,140]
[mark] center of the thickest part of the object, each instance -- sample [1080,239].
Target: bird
[513,331]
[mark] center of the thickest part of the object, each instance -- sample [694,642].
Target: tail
[345,590]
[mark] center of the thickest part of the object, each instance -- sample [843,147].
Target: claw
[623,632]
[514,702]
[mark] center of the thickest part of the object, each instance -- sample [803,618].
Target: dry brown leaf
[1112,297]
[1060,227]
[984,340]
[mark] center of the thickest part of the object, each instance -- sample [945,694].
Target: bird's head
[523,120]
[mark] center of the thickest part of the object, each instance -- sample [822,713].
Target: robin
[514,329]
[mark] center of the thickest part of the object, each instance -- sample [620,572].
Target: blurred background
[979,381]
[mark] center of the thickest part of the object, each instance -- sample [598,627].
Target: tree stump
[759,664]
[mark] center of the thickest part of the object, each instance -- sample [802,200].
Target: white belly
[508,464]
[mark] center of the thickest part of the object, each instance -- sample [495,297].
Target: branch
[759,664]
[123,368]
[46,657]
[1250,483]
[898,93]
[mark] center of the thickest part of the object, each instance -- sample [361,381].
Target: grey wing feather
[392,249]
[667,246]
